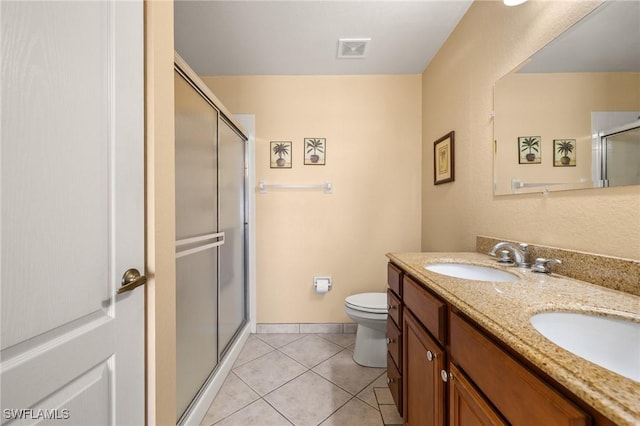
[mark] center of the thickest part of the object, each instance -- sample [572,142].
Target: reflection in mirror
[580,96]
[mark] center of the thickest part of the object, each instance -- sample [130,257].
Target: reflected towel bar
[326,186]
[517,184]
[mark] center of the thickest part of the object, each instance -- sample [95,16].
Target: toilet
[369,311]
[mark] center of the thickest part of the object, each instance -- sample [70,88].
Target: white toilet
[369,311]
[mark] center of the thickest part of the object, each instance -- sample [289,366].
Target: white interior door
[72,208]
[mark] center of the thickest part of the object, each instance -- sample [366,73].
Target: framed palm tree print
[315,150]
[281,155]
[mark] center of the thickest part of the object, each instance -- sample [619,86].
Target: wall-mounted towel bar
[326,186]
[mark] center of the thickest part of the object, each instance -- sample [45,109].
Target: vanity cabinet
[394,334]
[519,395]
[454,372]
[424,357]
[424,389]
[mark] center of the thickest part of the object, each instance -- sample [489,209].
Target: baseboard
[336,328]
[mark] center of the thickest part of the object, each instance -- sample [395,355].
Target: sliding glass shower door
[211,295]
[197,241]
[231,187]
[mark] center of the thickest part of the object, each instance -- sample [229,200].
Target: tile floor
[302,380]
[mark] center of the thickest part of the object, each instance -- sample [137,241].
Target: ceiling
[300,37]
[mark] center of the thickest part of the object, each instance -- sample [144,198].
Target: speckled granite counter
[504,310]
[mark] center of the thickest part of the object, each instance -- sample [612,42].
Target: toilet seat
[368,302]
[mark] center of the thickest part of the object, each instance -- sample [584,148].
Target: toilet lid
[371,302]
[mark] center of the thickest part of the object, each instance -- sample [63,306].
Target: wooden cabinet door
[467,407]
[424,389]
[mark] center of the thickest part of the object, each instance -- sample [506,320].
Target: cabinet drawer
[394,278]
[520,396]
[394,343]
[430,311]
[395,383]
[395,308]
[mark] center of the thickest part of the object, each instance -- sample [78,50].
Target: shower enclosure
[210,233]
[615,148]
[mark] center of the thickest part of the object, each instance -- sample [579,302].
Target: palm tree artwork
[281,150]
[563,148]
[530,145]
[314,148]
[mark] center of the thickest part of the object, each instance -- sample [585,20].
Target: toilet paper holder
[322,284]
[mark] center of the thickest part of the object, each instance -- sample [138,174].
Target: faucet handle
[505,257]
[543,265]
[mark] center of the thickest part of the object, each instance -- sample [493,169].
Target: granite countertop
[504,309]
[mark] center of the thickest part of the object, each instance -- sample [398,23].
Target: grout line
[278,411]
[307,369]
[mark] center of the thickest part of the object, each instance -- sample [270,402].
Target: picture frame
[444,159]
[315,151]
[529,150]
[564,152]
[281,153]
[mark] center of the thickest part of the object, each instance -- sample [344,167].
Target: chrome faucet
[543,265]
[519,252]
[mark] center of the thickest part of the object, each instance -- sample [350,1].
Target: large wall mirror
[569,116]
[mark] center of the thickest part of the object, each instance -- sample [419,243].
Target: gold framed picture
[443,159]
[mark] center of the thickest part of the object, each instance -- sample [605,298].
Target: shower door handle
[206,242]
[130,280]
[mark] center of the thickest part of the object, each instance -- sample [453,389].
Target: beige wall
[160,218]
[554,106]
[372,128]
[457,89]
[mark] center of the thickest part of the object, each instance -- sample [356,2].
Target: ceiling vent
[352,47]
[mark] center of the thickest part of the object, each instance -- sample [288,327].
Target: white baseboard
[336,328]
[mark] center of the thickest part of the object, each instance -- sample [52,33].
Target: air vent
[352,47]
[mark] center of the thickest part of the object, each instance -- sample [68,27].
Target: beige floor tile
[342,339]
[308,399]
[342,370]
[368,395]
[258,413]
[390,415]
[269,372]
[233,395]
[253,348]
[279,339]
[354,413]
[383,395]
[311,350]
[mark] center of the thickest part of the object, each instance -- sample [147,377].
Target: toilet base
[371,347]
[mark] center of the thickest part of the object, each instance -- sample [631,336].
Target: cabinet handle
[445,376]
[390,307]
[431,356]
[389,380]
[389,340]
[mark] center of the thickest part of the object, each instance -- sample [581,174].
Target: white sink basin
[612,343]
[471,272]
